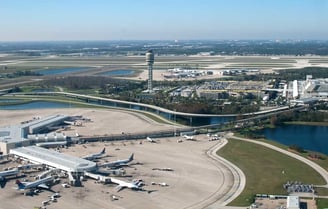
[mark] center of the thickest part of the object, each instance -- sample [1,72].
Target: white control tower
[150,62]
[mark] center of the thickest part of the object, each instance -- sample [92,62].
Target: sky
[51,20]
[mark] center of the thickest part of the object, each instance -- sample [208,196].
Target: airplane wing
[119,188]
[42,186]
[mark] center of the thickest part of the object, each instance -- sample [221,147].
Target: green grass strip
[266,170]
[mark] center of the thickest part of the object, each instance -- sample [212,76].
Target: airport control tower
[150,62]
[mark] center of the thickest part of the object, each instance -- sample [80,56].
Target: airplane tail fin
[131,157]
[21,186]
[103,151]
[3,183]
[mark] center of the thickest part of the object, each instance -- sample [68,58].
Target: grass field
[322,203]
[323,161]
[266,170]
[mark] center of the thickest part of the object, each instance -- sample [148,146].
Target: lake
[54,71]
[118,73]
[36,105]
[314,138]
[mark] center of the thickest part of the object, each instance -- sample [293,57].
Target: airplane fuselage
[34,184]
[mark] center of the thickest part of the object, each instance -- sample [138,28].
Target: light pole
[175,121]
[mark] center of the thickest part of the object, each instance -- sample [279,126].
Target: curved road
[262,112]
[233,182]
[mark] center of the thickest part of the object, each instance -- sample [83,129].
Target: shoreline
[305,123]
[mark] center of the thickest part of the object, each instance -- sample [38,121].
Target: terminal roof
[54,159]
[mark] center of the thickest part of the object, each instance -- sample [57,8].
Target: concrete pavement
[234,181]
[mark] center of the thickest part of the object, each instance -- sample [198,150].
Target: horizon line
[174,40]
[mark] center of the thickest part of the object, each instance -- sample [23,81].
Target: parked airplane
[73,123]
[40,184]
[12,172]
[124,184]
[118,163]
[191,138]
[150,139]
[95,155]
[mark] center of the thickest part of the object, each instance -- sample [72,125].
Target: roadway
[159,109]
[238,183]
[233,182]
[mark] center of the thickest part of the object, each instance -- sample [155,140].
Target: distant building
[309,88]
[186,92]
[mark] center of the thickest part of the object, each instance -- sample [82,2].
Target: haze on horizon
[57,20]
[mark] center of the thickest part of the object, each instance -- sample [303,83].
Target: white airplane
[124,184]
[41,184]
[150,139]
[118,163]
[73,123]
[191,138]
[12,172]
[95,155]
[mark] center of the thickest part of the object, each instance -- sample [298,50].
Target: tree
[273,120]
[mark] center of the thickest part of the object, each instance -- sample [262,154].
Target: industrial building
[264,201]
[31,132]
[309,88]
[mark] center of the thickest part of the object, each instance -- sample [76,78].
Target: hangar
[54,159]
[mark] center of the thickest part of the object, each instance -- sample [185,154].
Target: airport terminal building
[20,141]
[53,159]
[31,132]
